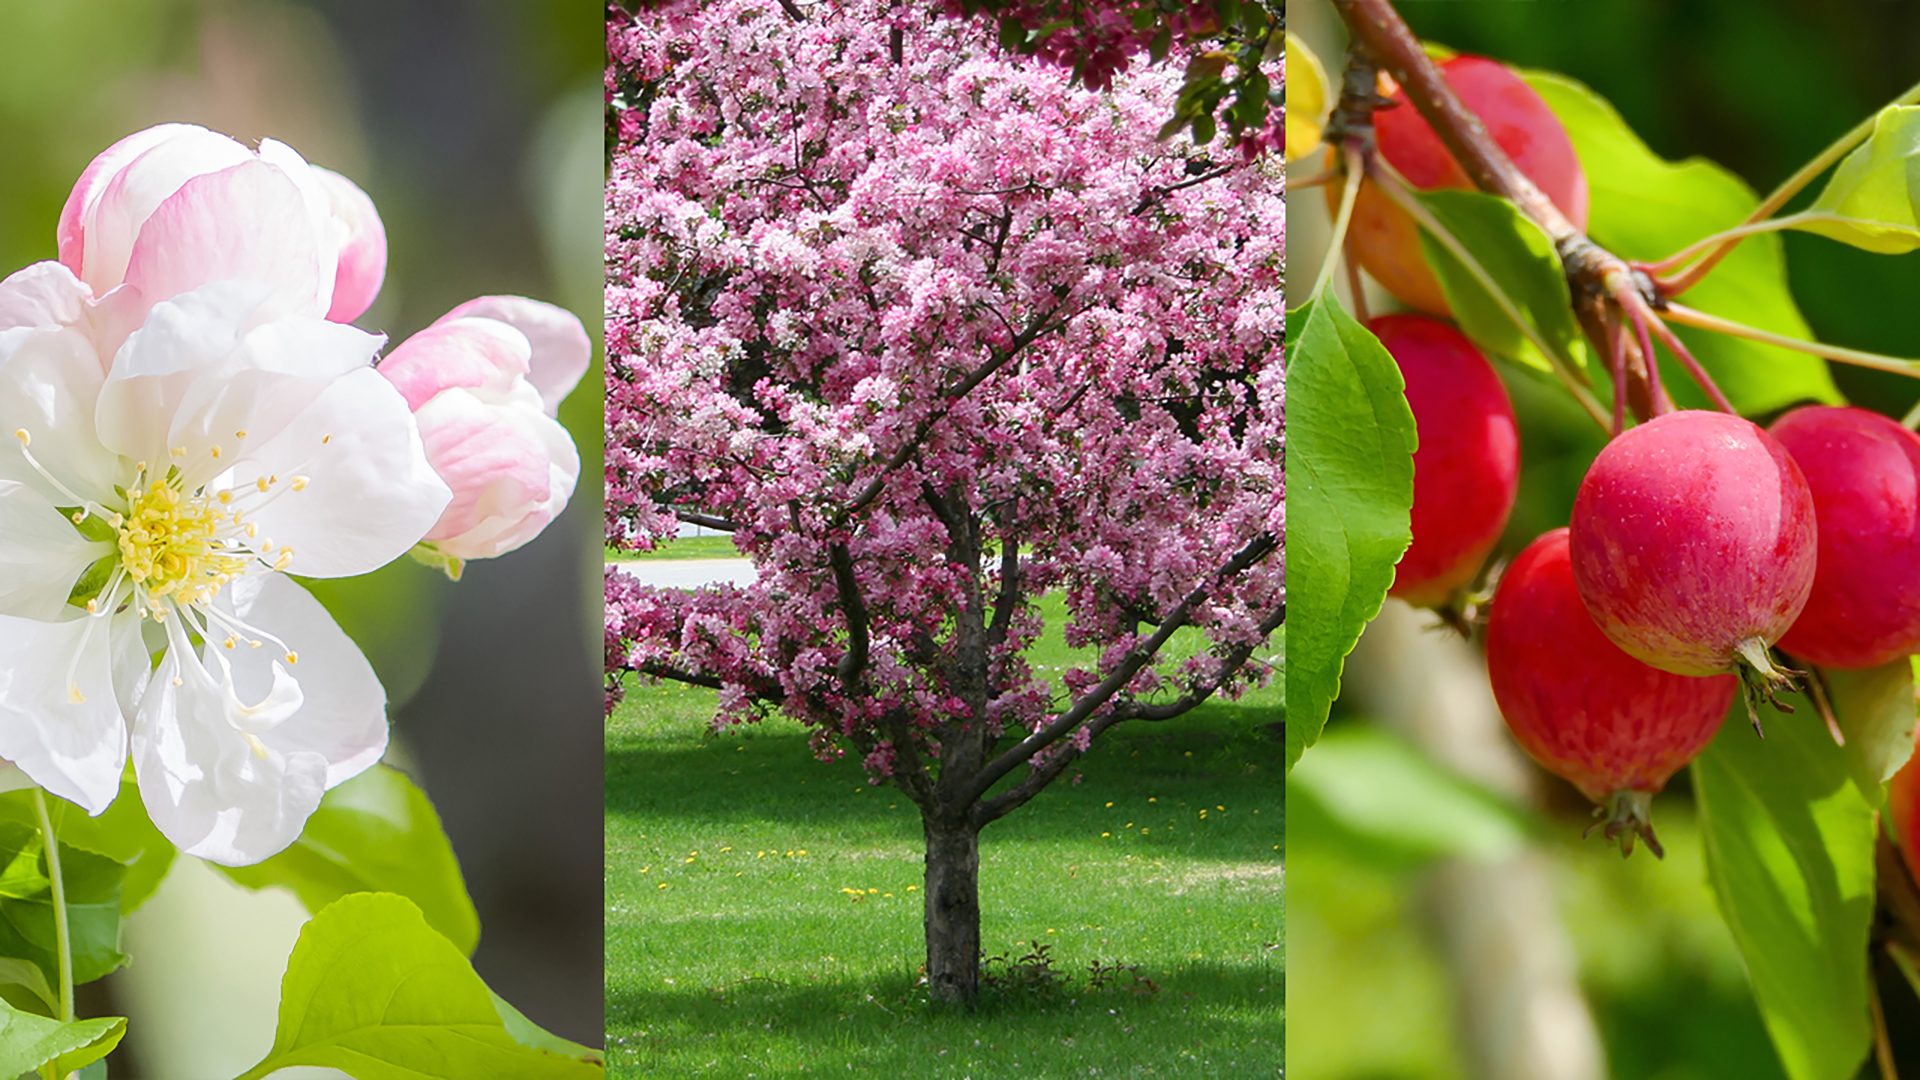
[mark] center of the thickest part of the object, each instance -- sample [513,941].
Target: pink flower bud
[174,207]
[561,349]
[487,433]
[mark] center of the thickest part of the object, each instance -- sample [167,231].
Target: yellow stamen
[299,483]
[325,439]
[259,748]
[216,450]
[73,694]
[232,641]
[241,434]
[21,434]
[293,657]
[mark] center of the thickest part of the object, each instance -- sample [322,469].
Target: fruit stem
[1628,814]
[1911,421]
[1761,679]
[1348,195]
[1644,318]
[1680,313]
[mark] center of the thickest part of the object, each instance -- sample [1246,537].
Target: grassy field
[763,908]
[681,547]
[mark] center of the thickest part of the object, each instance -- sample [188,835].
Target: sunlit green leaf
[92,884]
[122,833]
[1876,712]
[1789,842]
[372,989]
[1349,488]
[1521,260]
[1646,208]
[1873,199]
[27,1041]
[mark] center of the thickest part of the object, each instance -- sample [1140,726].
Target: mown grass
[681,547]
[763,908]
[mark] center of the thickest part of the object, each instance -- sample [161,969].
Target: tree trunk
[953,912]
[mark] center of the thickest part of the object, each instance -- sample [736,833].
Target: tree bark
[953,911]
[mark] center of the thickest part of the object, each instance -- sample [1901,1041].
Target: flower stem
[63,943]
[1340,222]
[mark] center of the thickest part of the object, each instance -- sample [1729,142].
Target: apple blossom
[174,207]
[150,505]
[470,379]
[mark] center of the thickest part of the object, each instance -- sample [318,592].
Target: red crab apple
[1467,467]
[1386,240]
[1693,544]
[1612,726]
[1864,471]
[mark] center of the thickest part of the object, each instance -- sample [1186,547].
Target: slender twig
[63,943]
[1344,218]
[1618,340]
[1635,308]
[1911,421]
[1659,404]
[1882,1046]
[1319,179]
[1682,314]
[1356,292]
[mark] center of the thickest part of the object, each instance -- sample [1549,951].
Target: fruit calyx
[1763,679]
[1628,814]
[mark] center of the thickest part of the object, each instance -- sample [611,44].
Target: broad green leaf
[1789,844]
[1521,260]
[1389,804]
[527,1033]
[1349,488]
[92,885]
[122,833]
[1873,198]
[371,989]
[375,833]
[1308,99]
[27,1041]
[1646,208]
[24,986]
[1876,712]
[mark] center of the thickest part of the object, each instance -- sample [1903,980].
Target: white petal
[49,387]
[181,340]
[123,204]
[343,716]
[44,294]
[74,749]
[204,784]
[369,493]
[41,554]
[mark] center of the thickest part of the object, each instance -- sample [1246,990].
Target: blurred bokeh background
[477,127]
[1390,936]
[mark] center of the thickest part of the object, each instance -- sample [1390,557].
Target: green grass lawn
[763,908]
[681,547]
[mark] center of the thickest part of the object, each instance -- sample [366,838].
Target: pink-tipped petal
[562,351]
[476,354]
[363,252]
[248,222]
[512,469]
[45,294]
[85,195]
[110,221]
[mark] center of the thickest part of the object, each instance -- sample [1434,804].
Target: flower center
[171,544]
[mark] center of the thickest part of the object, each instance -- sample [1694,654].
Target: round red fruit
[1386,240]
[1467,468]
[1614,727]
[1693,543]
[1864,471]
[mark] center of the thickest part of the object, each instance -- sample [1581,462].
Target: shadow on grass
[1204,1020]
[1223,756]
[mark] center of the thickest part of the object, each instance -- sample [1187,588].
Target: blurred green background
[1759,86]
[476,126]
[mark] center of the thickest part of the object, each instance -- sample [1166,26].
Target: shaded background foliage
[474,125]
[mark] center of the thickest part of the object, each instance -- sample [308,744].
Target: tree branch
[1137,658]
[706,521]
[854,663]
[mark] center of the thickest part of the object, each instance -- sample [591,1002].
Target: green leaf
[1349,489]
[1789,844]
[1646,208]
[1383,801]
[527,1033]
[26,906]
[24,986]
[122,833]
[1873,199]
[1876,712]
[27,1041]
[1521,259]
[372,989]
[375,833]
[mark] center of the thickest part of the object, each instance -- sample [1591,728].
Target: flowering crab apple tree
[192,421]
[933,334]
[1702,553]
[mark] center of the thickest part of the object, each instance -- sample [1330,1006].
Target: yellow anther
[216,450]
[73,694]
[140,467]
[286,557]
[259,748]
[254,643]
[178,451]
[21,434]
[241,434]
[293,657]
[253,527]
[232,641]
[79,516]
[225,497]
[261,483]
[93,606]
[299,483]
[176,680]
[325,439]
